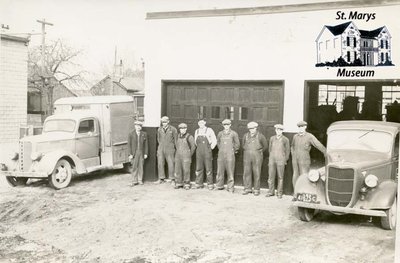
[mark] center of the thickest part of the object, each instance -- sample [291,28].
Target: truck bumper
[339,209]
[23,174]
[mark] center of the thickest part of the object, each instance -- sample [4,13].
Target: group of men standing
[176,148]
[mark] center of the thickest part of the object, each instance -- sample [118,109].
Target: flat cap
[301,123]
[252,124]
[279,126]
[165,118]
[139,123]
[202,121]
[227,121]
[182,126]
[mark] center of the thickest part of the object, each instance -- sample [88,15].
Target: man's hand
[145,156]
[130,157]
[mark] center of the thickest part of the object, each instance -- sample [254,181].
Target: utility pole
[44,23]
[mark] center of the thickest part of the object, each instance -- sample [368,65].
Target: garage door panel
[190,111]
[190,94]
[202,94]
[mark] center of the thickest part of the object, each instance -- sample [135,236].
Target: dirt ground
[99,218]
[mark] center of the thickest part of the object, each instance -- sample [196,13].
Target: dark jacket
[133,143]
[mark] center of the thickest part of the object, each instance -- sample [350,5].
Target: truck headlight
[15,156]
[313,175]
[35,156]
[371,181]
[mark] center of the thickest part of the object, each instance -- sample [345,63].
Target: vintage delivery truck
[84,134]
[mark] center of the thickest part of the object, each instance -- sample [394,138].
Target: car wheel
[16,181]
[306,214]
[61,175]
[389,222]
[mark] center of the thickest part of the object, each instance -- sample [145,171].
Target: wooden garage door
[240,101]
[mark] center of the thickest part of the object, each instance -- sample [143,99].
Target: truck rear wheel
[389,222]
[61,175]
[16,181]
[306,214]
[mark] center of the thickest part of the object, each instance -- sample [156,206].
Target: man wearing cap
[185,148]
[228,144]
[166,137]
[206,141]
[138,151]
[301,146]
[254,144]
[279,151]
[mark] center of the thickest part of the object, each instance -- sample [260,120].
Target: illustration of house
[356,47]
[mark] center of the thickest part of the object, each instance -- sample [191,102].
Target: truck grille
[25,150]
[340,184]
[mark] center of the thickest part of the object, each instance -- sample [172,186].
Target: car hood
[357,158]
[49,137]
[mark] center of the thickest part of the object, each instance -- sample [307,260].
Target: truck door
[88,139]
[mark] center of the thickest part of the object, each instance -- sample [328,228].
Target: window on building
[382,57]
[389,95]
[86,126]
[228,113]
[387,57]
[355,55]
[348,56]
[139,102]
[202,112]
[34,103]
[243,113]
[381,43]
[354,42]
[331,94]
[387,44]
[215,112]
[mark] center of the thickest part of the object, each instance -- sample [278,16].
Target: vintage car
[360,176]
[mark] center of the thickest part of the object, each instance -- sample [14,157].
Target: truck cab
[85,134]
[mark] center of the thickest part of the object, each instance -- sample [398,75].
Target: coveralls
[138,147]
[185,148]
[228,144]
[166,150]
[205,142]
[301,146]
[279,151]
[253,146]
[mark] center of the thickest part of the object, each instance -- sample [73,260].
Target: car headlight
[35,156]
[313,175]
[371,181]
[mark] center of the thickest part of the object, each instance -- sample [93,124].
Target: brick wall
[13,86]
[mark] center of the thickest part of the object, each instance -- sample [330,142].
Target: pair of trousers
[203,161]
[182,170]
[299,168]
[273,169]
[162,156]
[226,163]
[252,161]
[137,168]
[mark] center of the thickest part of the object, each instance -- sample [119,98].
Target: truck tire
[16,181]
[306,214]
[389,222]
[61,175]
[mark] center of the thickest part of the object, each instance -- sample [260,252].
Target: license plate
[308,198]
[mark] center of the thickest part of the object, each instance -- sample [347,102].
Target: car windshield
[367,140]
[59,125]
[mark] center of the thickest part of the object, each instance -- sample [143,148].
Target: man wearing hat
[228,144]
[185,148]
[206,141]
[138,151]
[254,144]
[279,151]
[301,146]
[166,137]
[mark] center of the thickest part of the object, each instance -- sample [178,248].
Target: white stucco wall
[253,47]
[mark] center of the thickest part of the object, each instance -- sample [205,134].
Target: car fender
[382,196]
[304,185]
[49,160]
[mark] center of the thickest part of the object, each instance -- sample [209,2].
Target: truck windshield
[59,125]
[367,140]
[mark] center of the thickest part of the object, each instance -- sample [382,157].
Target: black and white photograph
[141,131]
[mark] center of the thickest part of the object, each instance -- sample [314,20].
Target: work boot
[279,196]
[173,182]
[160,181]
[198,186]
[133,184]
[256,193]
[246,192]
[219,188]
[177,186]
[269,194]
[187,187]
[210,187]
[141,183]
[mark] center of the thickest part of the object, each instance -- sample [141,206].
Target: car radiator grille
[340,184]
[25,150]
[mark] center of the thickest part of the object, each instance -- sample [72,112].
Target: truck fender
[49,160]
[304,185]
[381,197]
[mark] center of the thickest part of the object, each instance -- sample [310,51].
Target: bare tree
[58,67]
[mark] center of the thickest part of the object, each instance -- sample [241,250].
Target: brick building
[13,86]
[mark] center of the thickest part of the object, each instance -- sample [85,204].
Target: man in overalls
[205,141]
[138,151]
[254,144]
[279,151]
[185,148]
[228,144]
[166,137]
[301,146]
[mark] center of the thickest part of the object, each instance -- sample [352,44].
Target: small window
[201,112]
[229,113]
[348,41]
[215,112]
[86,126]
[243,113]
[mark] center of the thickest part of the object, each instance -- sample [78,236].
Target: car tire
[61,175]
[389,222]
[306,214]
[16,181]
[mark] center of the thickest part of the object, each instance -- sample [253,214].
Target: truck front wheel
[61,175]
[389,222]
[306,214]
[16,181]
